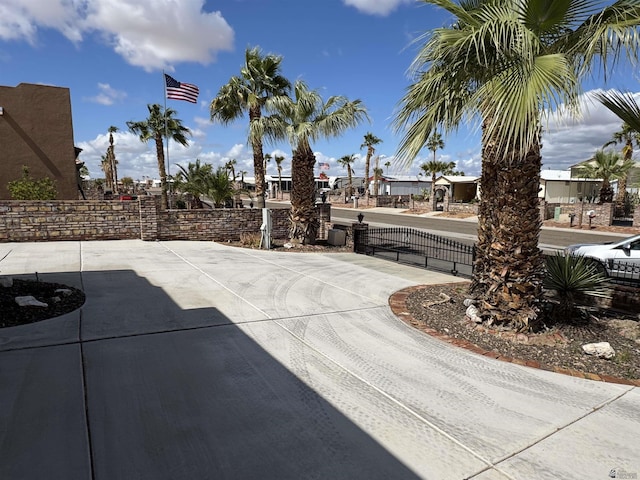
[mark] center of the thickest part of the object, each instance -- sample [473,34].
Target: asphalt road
[465,230]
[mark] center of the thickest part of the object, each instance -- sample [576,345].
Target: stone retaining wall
[115,220]
[603,213]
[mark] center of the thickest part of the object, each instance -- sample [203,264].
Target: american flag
[323,166]
[181,91]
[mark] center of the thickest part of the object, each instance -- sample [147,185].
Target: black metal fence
[408,245]
[623,273]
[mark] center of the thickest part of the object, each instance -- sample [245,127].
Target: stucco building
[36,130]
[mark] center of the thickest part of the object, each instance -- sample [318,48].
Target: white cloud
[376,7]
[108,95]
[152,34]
[567,141]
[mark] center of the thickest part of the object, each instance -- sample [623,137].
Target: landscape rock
[600,350]
[30,301]
[64,291]
[473,313]
[468,302]
[6,282]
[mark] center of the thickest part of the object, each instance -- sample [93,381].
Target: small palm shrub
[573,282]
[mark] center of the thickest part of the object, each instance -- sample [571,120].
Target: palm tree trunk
[367,164]
[162,171]
[304,224]
[350,181]
[509,269]
[258,159]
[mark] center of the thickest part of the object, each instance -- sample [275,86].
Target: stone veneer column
[148,218]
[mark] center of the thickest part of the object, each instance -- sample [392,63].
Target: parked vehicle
[616,259]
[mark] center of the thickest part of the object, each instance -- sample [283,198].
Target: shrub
[573,281]
[28,188]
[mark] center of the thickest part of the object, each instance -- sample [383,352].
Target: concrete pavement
[194,360]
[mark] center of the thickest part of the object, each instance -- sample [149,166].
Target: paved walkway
[199,361]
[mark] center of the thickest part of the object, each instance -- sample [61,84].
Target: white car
[618,259]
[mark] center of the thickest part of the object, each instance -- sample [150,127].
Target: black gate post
[360,237]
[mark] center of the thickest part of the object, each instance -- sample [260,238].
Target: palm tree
[377,176]
[433,167]
[627,136]
[193,180]
[220,188]
[387,164]
[435,143]
[346,162]
[159,125]
[303,119]
[231,167]
[279,159]
[370,140]
[504,62]
[111,155]
[259,80]
[607,166]
[106,165]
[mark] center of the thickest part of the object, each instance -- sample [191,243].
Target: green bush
[573,281]
[28,188]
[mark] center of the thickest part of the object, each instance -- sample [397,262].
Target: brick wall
[111,220]
[603,212]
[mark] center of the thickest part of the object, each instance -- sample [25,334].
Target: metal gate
[408,245]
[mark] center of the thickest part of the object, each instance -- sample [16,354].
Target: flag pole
[166,135]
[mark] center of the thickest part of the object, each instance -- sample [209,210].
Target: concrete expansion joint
[555,431]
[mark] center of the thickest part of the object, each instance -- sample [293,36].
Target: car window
[635,245]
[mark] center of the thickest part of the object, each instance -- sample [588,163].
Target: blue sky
[111,54]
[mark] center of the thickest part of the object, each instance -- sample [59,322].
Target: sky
[111,54]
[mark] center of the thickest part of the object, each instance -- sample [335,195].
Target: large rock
[601,350]
[29,301]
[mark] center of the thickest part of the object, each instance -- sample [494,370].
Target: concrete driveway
[196,360]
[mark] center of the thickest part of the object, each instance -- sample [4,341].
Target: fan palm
[608,166]
[435,143]
[303,119]
[504,62]
[628,137]
[159,125]
[370,141]
[346,162]
[279,159]
[433,167]
[259,80]
[111,155]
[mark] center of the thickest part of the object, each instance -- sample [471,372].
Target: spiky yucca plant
[573,279]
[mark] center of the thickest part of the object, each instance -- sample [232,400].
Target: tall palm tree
[387,164]
[231,167]
[608,166]
[433,167]
[628,137]
[192,180]
[346,162]
[377,177]
[303,119]
[106,165]
[435,143]
[159,125]
[259,80]
[370,141]
[503,62]
[112,158]
[279,159]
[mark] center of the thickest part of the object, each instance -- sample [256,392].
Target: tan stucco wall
[36,130]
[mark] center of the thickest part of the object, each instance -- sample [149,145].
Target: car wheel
[598,266]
